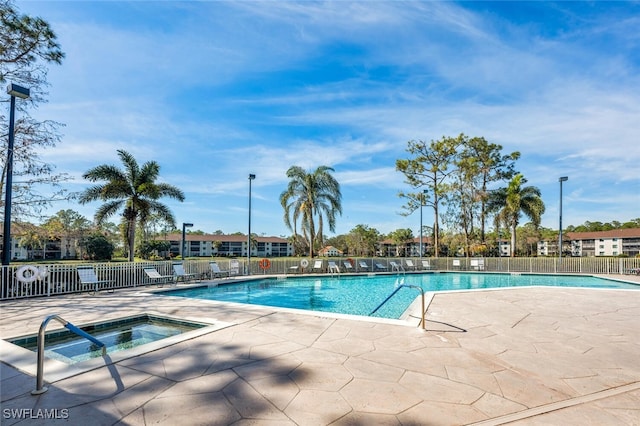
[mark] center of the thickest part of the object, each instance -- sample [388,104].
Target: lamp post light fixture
[562,179]
[251,177]
[184,240]
[23,93]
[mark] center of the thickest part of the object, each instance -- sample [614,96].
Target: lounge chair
[88,278]
[294,269]
[317,266]
[395,266]
[179,272]
[156,278]
[410,264]
[362,265]
[333,267]
[380,267]
[455,264]
[348,267]
[216,271]
[477,264]
[426,264]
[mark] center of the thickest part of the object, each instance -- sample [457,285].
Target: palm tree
[508,203]
[134,190]
[311,196]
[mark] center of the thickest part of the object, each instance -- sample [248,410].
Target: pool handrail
[40,388]
[422,320]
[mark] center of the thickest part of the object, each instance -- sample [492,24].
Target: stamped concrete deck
[534,356]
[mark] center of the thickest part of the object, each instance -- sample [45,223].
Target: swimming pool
[361,294]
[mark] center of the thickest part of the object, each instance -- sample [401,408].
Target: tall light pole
[562,179]
[23,93]
[184,240]
[251,177]
[424,193]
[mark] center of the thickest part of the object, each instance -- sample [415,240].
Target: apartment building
[228,245]
[615,242]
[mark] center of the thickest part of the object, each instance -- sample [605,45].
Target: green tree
[430,167]
[510,202]
[33,238]
[68,225]
[216,244]
[401,237]
[362,240]
[149,249]
[484,163]
[98,247]
[339,242]
[528,237]
[300,245]
[463,199]
[133,190]
[27,46]
[310,197]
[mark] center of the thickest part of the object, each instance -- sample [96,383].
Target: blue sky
[216,90]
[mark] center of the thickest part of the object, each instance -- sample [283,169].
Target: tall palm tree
[133,190]
[311,196]
[508,203]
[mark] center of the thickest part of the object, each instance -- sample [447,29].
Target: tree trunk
[436,240]
[131,237]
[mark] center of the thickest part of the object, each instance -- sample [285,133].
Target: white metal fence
[36,280]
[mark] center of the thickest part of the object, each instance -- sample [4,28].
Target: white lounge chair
[216,271]
[632,271]
[294,269]
[179,272]
[410,264]
[380,267]
[88,279]
[156,278]
[477,264]
[395,266]
[333,267]
[362,265]
[426,264]
[455,264]
[317,266]
[348,267]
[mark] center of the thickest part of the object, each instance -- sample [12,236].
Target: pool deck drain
[505,356]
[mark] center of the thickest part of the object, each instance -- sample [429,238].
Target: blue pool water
[117,335]
[360,295]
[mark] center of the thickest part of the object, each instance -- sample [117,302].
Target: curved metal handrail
[422,320]
[41,338]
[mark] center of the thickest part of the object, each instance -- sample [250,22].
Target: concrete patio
[511,356]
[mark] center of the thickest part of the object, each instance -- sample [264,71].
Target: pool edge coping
[25,360]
